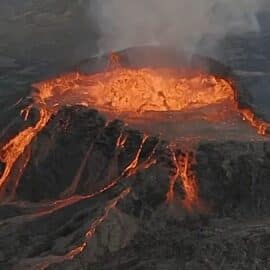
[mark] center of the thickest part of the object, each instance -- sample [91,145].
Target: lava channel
[167,101]
[143,97]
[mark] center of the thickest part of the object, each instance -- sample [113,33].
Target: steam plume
[181,23]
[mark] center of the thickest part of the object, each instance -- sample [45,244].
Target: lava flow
[133,93]
[112,157]
[88,235]
[185,176]
[189,182]
[16,146]
[119,90]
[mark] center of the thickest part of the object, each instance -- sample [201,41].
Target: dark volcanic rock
[14,121]
[234,176]
[57,152]
[123,220]
[91,194]
[77,153]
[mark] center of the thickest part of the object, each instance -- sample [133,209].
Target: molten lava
[188,180]
[16,146]
[131,90]
[120,91]
[88,235]
[128,90]
[185,176]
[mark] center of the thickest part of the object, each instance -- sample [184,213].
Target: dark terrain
[120,212]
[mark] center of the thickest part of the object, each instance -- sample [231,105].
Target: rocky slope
[94,195]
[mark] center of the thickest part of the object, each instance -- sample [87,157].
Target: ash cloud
[181,23]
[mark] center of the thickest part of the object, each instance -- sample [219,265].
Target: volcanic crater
[135,149]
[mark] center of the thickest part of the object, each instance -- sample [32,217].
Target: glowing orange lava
[185,176]
[189,183]
[115,91]
[261,126]
[16,146]
[132,90]
[88,235]
[129,90]
[118,90]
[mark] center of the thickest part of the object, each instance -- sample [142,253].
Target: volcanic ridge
[140,159]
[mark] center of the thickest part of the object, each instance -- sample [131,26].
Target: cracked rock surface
[122,214]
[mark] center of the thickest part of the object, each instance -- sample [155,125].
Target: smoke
[181,23]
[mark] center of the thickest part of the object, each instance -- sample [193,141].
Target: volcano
[140,159]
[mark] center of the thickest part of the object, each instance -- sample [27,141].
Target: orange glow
[16,146]
[136,90]
[173,178]
[261,126]
[127,90]
[122,90]
[121,141]
[88,235]
[114,61]
[132,167]
[185,176]
[117,91]
[25,112]
[189,183]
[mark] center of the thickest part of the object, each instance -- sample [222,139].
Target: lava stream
[189,182]
[132,168]
[88,235]
[173,178]
[185,176]
[262,127]
[16,146]
[135,90]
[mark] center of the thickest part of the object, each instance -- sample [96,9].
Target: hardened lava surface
[179,182]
